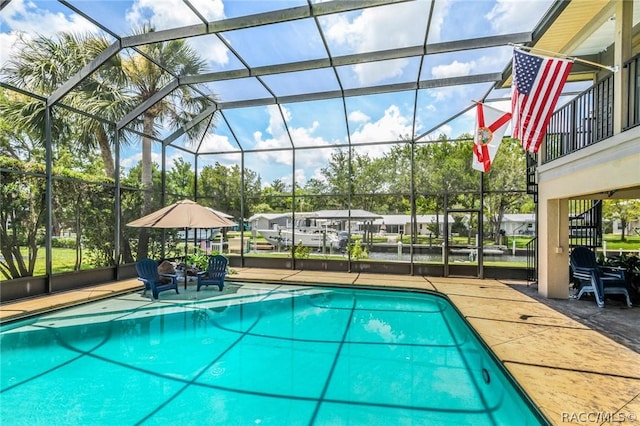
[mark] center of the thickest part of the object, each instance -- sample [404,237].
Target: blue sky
[317,123]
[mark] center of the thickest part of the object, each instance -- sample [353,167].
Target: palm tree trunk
[126,255]
[105,152]
[147,185]
[78,264]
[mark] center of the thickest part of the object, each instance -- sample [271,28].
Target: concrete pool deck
[572,372]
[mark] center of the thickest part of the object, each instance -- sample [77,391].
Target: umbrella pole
[186,244]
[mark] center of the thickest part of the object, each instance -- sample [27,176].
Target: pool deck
[573,373]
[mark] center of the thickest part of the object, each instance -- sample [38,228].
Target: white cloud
[210,49]
[358,117]
[442,130]
[163,15]
[509,14]
[495,60]
[454,69]
[218,143]
[272,143]
[317,174]
[390,127]
[304,136]
[397,33]
[171,159]
[9,43]
[442,94]
[128,162]
[446,129]
[376,72]
[440,12]
[210,9]
[308,161]
[276,126]
[362,35]
[300,178]
[26,18]
[280,139]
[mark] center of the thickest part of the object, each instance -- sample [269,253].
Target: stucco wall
[591,173]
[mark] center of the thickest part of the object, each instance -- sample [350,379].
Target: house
[337,219]
[269,220]
[632,228]
[519,224]
[354,220]
[401,223]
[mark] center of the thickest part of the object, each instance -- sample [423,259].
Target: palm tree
[148,73]
[42,65]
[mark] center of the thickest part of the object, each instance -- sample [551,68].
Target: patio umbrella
[183,214]
[219,213]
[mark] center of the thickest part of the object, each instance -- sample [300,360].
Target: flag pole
[573,58]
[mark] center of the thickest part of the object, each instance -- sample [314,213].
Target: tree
[220,186]
[445,167]
[180,180]
[337,175]
[87,200]
[21,216]
[279,186]
[506,182]
[84,201]
[369,179]
[353,174]
[147,77]
[315,188]
[18,140]
[41,66]
[398,176]
[277,196]
[132,200]
[625,211]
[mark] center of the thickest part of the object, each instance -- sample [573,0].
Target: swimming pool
[256,354]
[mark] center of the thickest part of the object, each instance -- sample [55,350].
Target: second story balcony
[589,118]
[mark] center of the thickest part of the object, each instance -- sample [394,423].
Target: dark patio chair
[154,281]
[215,273]
[597,279]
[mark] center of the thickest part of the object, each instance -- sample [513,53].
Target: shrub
[62,242]
[301,252]
[358,252]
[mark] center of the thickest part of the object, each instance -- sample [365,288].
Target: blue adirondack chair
[148,274]
[597,279]
[215,273]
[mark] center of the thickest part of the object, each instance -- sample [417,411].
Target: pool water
[256,355]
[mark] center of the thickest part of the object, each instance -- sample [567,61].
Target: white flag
[491,124]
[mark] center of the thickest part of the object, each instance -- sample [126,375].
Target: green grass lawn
[64,260]
[614,242]
[631,243]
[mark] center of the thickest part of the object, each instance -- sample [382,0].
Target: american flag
[537,85]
